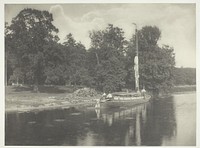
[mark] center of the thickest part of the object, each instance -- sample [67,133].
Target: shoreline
[184,92]
[31,102]
[42,108]
[90,104]
[184,88]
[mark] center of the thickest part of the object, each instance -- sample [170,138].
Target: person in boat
[109,97]
[143,91]
[103,96]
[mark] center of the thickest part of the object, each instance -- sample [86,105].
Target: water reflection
[128,119]
[159,122]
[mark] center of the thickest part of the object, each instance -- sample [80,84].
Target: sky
[177,22]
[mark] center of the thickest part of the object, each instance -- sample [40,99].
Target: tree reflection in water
[146,124]
[161,122]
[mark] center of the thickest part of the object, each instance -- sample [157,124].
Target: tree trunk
[156,93]
[17,81]
[97,58]
[35,87]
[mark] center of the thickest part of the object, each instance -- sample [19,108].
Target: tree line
[34,56]
[185,76]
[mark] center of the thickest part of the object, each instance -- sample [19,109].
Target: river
[162,122]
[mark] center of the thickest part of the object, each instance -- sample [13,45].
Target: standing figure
[143,91]
[97,103]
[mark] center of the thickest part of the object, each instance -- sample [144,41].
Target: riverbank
[22,98]
[184,88]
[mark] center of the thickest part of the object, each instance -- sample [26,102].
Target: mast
[136,61]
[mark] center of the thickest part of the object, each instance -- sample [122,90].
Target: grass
[22,98]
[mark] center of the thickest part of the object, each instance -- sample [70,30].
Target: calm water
[168,121]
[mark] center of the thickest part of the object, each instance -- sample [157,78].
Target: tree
[75,62]
[10,58]
[30,31]
[54,66]
[156,63]
[106,58]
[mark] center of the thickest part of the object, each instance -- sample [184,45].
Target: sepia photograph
[100,74]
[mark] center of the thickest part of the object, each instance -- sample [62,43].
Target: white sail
[136,60]
[136,69]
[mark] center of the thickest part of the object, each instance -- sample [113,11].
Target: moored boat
[124,100]
[127,96]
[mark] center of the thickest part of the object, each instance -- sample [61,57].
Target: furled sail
[136,69]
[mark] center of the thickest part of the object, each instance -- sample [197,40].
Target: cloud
[79,28]
[176,21]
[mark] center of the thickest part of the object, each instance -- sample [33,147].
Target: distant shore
[184,88]
[22,99]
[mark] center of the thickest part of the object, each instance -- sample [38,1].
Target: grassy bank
[22,98]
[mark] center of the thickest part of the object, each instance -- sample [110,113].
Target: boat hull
[124,103]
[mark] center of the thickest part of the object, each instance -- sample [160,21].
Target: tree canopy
[27,36]
[157,63]
[34,56]
[107,50]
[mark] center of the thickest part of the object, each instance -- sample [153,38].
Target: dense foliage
[107,50]
[185,76]
[34,56]
[26,40]
[157,63]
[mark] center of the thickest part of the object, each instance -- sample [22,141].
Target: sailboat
[124,99]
